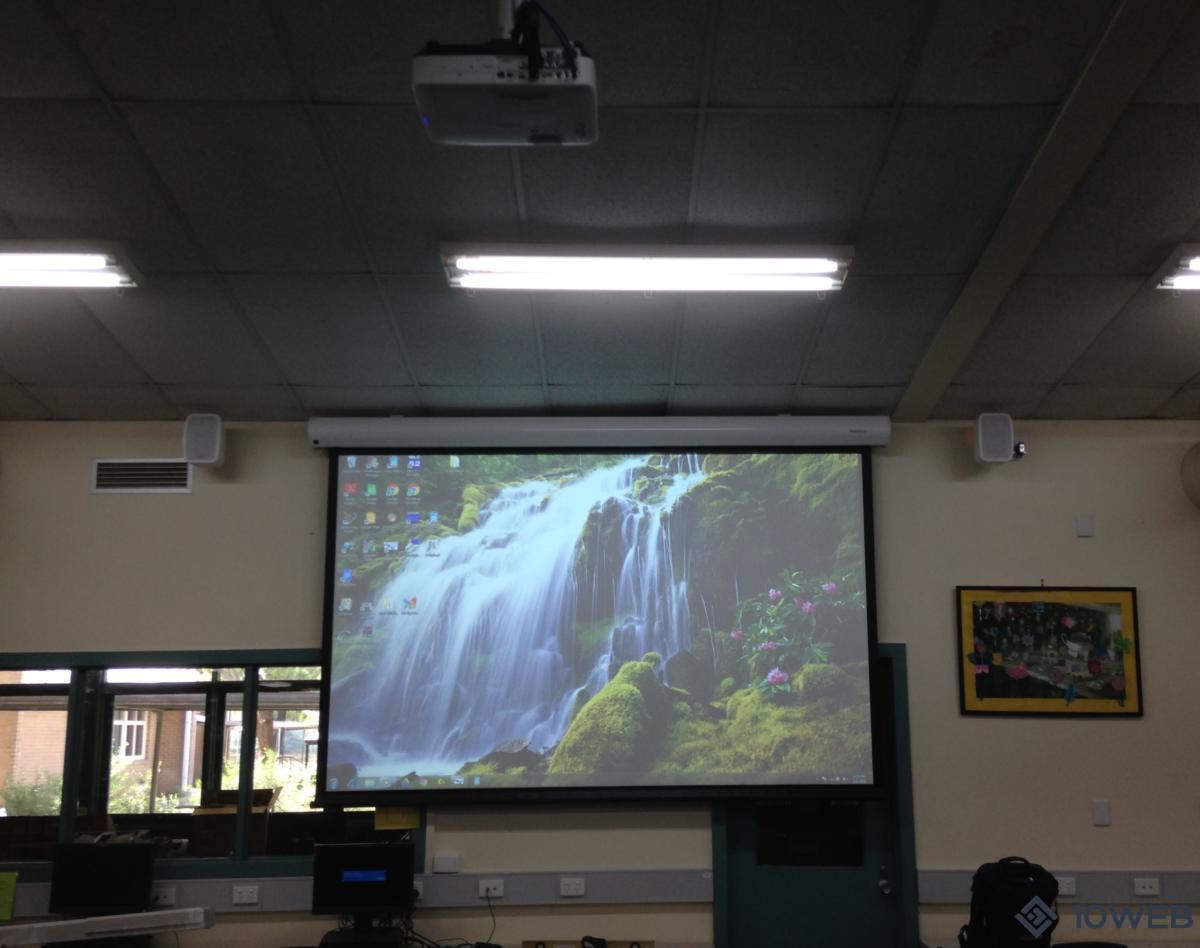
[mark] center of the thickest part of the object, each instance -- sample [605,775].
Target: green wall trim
[174,658]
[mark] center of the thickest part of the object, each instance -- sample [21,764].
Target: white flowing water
[488,655]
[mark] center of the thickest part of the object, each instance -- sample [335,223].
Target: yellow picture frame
[1065,651]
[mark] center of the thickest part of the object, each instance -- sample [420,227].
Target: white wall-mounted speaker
[1190,472]
[993,438]
[203,439]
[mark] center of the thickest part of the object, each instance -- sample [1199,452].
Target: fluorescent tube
[62,270]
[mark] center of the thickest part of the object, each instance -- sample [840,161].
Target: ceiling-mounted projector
[509,91]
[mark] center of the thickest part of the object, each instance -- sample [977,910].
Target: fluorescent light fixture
[661,269]
[28,268]
[1182,269]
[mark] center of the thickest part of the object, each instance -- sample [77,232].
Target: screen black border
[492,796]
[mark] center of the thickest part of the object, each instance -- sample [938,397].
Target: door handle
[885,885]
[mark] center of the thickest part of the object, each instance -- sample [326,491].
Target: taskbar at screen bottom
[410,782]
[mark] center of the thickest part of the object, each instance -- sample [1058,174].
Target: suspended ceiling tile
[219,49]
[1102,402]
[1021,53]
[1183,404]
[947,180]
[1139,198]
[637,176]
[67,173]
[609,399]
[47,338]
[409,194]
[1154,341]
[837,400]
[1044,325]
[878,328]
[360,400]
[324,330]
[253,184]
[181,330]
[608,338]
[457,338]
[35,60]
[730,399]
[17,405]
[239,403]
[808,172]
[1175,79]
[105,403]
[650,55]
[363,52]
[751,339]
[799,54]
[484,399]
[967,401]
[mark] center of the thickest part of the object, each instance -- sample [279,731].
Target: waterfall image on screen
[626,620]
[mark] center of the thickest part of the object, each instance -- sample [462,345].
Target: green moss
[726,688]
[469,518]
[611,733]
[591,639]
[654,658]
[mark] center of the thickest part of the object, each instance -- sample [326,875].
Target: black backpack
[1012,906]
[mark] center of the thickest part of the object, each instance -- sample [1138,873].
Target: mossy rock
[821,681]
[686,671]
[469,518]
[610,734]
[726,688]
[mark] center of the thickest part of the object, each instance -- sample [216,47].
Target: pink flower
[774,595]
[797,602]
[777,676]
[828,588]
[768,647]
[1068,622]
[807,608]
[737,635]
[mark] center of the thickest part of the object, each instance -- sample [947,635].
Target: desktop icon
[431,546]
[414,462]
[412,517]
[414,544]
[409,604]
[333,783]
[346,604]
[458,781]
[369,547]
[351,462]
[387,606]
[372,464]
[369,518]
[347,575]
[392,490]
[392,517]
[348,517]
[433,516]
[414,490]
[393,462]
[350,489]
[391,546]
[366,608]
[478,781]
[455,462]
[372,490]
[348,547]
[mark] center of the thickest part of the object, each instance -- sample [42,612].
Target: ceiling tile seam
[122,127]
[908,75]
[328,151]
[707,67]
[1137,34]
[518,186]
[676,349]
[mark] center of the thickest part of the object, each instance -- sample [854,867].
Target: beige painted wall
[239,563]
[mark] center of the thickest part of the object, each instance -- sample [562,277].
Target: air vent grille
[141,476]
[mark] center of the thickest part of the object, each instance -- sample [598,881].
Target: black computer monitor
[101,878]
[366,880]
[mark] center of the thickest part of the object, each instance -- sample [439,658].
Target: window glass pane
[32,742]
[290,673]
[157,753]
[156,675]
[36,676]
[286,748]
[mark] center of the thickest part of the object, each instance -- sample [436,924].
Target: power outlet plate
[164,896]
[245,895]
[491,888]
[1066,885]
[1146,885]
[419,888]
[572,887]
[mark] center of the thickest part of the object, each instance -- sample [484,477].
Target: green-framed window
[160,745]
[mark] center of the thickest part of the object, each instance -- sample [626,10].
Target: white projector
[480,97]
